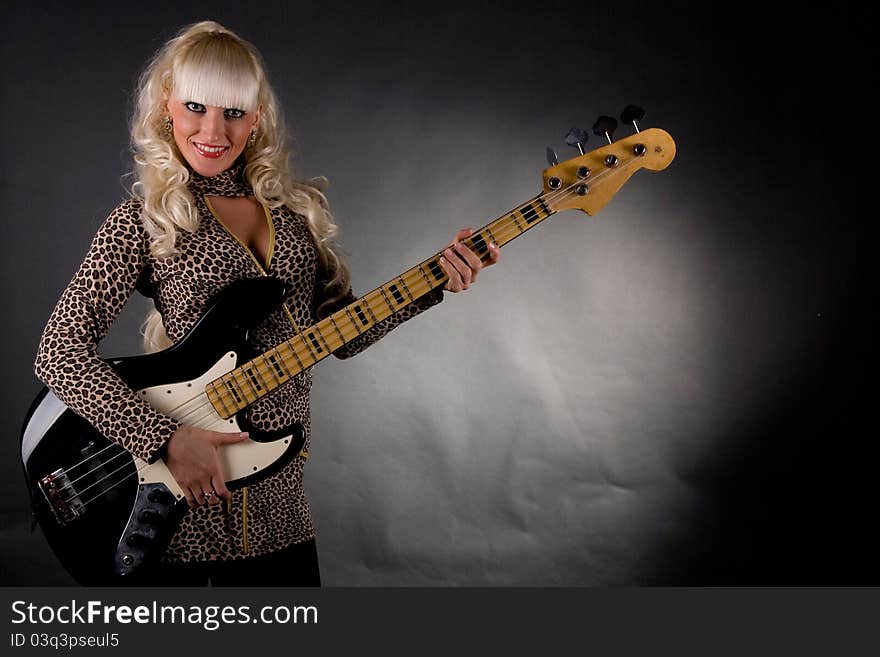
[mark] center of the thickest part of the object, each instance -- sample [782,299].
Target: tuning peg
[632,114]
[605,125]
[551,157]
[576,138]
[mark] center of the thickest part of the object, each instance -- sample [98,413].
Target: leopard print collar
[226,183]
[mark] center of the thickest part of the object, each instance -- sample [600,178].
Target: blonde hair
[208,64]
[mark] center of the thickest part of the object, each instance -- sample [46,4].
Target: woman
[213,203]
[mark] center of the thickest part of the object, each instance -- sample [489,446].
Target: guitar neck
[264,374]
[586,182]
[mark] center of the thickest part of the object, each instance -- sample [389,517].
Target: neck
[230,182]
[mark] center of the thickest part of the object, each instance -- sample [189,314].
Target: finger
[494,254]
[471,258]
[464,271]
[211,497]
[464,233]
[208,496]
[193,497]
[227,438]
[205,492]
[209,492]
[454,283]
[220,487]
[205,488]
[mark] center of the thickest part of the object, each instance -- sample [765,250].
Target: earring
[168,126]
[252,139]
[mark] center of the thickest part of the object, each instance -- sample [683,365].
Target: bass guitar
[108,515]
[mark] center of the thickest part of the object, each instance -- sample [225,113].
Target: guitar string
[111,445]
[505,223]
[107,490]
[88,458]
[88,472]
[98,481]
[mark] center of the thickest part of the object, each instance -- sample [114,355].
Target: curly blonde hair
[209,64]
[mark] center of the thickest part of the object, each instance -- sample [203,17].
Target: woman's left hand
[462,265]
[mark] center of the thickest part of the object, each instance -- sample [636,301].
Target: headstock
[587,182]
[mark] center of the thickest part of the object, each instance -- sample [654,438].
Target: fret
[387,301]
[270,370]
[360,315]
[479,244]
[369,307]
[221,398]
[244,379]
[544,207]
[320,331]
[427,280]
[516,228]
[252,379]
[280,369]
[516,221]
[506,230]
[492,235]
[436,270]
[406,288]
[415,286]
[368,304]
[290,348]
[352,320]
[290,345]
[261,374]
[314,343]
[335,326]
[233,391]
[311,352]
[528,213]
[396,294]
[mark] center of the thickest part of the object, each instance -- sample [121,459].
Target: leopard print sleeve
[381,329]
[67,358]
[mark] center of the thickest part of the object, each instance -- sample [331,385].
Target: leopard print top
[268,515]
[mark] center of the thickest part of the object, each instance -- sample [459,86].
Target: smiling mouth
[212,152]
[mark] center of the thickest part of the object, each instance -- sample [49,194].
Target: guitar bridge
[62,497]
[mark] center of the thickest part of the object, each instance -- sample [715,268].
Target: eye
[194,107]
[232,113]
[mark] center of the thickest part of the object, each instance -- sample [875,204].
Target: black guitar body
[106,522]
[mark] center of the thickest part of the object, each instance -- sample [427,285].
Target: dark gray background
[671,392]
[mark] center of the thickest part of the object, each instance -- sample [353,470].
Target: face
[210,138]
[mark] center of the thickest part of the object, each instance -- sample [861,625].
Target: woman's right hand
[192,458]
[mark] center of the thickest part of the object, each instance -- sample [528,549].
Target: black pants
[296,565]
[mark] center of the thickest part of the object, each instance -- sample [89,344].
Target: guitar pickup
[62,497]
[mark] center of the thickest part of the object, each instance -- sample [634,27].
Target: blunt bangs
[217,72]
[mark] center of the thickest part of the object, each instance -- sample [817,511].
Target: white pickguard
[187,402]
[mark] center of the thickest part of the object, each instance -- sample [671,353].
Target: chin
[208,171]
